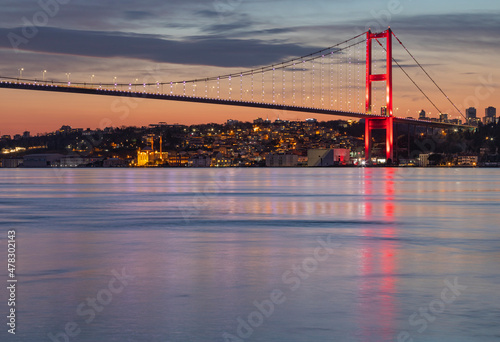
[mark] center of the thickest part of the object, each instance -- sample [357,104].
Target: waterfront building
[148,157]
[328,157]
[423,160]
[282,160]
[467,160]
[42,160]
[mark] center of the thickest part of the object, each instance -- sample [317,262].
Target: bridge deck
[110,92]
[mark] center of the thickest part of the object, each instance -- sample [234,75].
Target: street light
[43,75]
[21,72]
[114,81]
[92,79]
[68,74]
[135,86]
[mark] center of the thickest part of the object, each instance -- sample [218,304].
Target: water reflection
[377,279]
[196,276]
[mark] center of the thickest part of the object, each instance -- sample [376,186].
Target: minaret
[161,149]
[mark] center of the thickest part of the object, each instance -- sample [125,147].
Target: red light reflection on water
[377,280]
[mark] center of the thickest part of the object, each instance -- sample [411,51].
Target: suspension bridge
[342,80]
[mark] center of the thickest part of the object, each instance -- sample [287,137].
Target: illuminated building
[220,160]
[423,160]
[490,115]
[148,157]
[470,114]
[383,111]
[328,157]
[178,159]
[467,160]
[341,156]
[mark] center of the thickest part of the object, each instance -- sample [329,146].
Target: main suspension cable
[421,67]
[411,79]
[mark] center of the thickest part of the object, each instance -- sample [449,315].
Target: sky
[457,41]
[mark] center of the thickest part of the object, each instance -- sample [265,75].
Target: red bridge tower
[387,122]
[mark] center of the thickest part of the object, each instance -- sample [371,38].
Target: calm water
[326,254]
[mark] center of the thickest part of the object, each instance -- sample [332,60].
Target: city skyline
[264,142]
[205,39]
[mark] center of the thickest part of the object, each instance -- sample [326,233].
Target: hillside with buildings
[243,144]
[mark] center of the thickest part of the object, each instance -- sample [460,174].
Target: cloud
[107,15]
[242,24]
[447,31]
[207,13]
[192,51]
[138,15]
[451,31]
[241,40]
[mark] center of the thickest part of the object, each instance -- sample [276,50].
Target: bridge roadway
[45,86]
